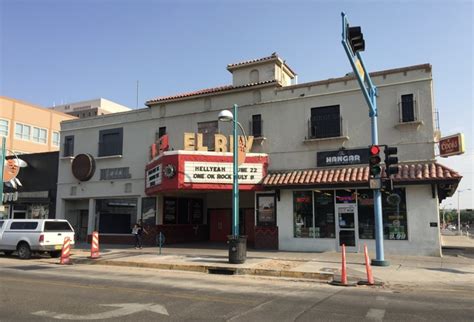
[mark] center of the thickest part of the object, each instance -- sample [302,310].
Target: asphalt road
[42,291]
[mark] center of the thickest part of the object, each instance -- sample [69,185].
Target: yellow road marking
[134,290]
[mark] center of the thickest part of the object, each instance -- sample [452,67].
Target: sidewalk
[405,270]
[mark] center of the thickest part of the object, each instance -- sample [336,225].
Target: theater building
[304,181]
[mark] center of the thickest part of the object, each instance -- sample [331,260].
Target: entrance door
[82,226]
[347,231]
[220,224]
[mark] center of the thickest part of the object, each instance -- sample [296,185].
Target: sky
[60,51]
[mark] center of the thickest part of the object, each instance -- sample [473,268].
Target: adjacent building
[29,128]
[304,182]
[90,108]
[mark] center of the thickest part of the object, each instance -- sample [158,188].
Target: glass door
[347,232]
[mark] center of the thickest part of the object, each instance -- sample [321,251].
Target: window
[257,125]
[55,139]
[161,131]
[393,211]
[325,122]
[110,142]
[3,127]
[266,210]
[56,226]
[39,135]
[208,130]
[24,225]
[22,131]
[68,146]
[302,213]
[149,211]
[408,108]
[324,226]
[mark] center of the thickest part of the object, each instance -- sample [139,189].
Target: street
[42,290]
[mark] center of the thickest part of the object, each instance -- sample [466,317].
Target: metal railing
[328,129]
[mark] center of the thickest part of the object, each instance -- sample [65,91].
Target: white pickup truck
[26,236]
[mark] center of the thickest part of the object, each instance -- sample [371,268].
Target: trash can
[237,249]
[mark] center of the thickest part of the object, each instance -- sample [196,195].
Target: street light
[459,211]
[237,244]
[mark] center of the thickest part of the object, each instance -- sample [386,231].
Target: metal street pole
[237,243]
[235,186]
[370,94]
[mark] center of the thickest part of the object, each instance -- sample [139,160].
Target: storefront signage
[115,173]
[451,145]
[342,157]
[221,172]
[194,142]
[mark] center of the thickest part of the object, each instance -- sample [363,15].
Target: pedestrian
[137,232]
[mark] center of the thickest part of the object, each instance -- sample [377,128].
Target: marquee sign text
[221,172]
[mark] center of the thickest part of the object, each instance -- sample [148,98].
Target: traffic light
[374,161]
[391,161]
[355,38]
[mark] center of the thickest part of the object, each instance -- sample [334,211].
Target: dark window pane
[183,211]
[408,108]
[365,213]
[57,226]
[27,225]
[110,142]
[303,213]
[68,146]
[325,122]
[394,215]
[114,223]
[149,211]
[257,125]
[324,215]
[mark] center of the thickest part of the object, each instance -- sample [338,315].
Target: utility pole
[353,42]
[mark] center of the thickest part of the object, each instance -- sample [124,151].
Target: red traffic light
[374,150]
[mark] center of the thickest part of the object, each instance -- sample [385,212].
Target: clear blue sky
[56,51]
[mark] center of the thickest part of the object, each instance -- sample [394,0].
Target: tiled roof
[408,173]
[272,56]
[206,91]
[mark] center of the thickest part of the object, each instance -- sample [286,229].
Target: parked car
[26,236]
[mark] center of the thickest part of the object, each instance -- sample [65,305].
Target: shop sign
[194,142]
[451,145]
[221,172]
[342,157]
[115,173]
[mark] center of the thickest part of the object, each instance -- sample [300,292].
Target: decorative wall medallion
[83,167]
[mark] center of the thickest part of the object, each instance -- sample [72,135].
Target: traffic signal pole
[370,94]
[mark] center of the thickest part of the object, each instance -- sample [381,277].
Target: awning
[409,173]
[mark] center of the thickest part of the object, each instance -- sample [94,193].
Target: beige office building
[29,128]
[90,108]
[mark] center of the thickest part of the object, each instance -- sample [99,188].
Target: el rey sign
[451,145]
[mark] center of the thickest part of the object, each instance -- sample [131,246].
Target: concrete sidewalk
[403,270]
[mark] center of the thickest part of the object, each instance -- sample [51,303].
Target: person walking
[137,232]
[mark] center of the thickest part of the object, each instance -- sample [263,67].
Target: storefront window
[117,216]
[365,212]
[182,211]
[324,215]
[266,210]
[149,211]
[393,211]
[303,213]
[394,215]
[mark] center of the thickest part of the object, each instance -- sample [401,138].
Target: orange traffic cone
[343,269]
[65,252]
[368,268]
[95,245]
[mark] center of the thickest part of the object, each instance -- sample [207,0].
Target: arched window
[254,77]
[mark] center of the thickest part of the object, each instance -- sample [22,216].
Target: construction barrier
[344,269]
[368,268]
[66,252]
[95,245]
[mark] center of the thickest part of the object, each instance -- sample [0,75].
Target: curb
[208,269]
